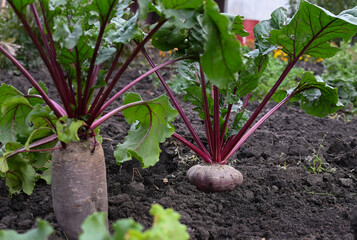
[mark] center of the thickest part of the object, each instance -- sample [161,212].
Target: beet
[79,185]
[214,177]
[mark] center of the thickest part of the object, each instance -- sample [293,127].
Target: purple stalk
[61,82]
[127,87]
[176,104]
[96,110]
[250,121]
[109,74]
[58,111]
[57,65]
[42,150]
[31,34]
[38,46]
[246,100]
[114,63]
[59,107]
[79,106]
[94,57]
[207,121]
[201,154]
[226,120]
[35,144]
[255,126]
[216,127]
[108,115]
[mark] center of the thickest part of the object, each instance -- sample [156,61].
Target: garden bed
[279,198]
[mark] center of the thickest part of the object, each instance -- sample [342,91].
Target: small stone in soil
[346,182]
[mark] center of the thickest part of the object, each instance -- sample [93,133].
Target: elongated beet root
[214,177]
[79,185]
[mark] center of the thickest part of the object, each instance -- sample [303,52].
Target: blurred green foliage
[13,35]
[341,72]
[333,6]
[271,74]
[166,226]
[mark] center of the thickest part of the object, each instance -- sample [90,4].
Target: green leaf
[222,57]
[3,164]
[169,37]
[123,31]
[46,175]
[314,95]
[67,33]
[121,227]
[143,9]
[20,175]
[71,40]
[42,232]
[240,119]
[13,118]
[183,31]
[181,4]
[21,5]
[194,96]
[248,78]
[95,228]
[166,226]
[104,54]
[82,52]
[7,91]
[311,29]
[67,129]
[262,30]
[104,8]
[20,171]
[238,27]
[33,91]
[185,76]
[150,127]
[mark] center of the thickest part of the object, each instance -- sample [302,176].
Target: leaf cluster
[24,120]
[15,39]
[223,83]
[341,72]
[165,226]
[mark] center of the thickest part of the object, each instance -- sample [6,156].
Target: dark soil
[279,198]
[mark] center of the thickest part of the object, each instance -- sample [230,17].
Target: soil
[279,198]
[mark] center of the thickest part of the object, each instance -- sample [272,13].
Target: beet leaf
[82,45]
[150,125]
[220,88]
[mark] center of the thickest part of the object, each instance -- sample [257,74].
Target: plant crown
[220,79]
[78,39]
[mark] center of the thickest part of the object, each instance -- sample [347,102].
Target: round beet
[214,177]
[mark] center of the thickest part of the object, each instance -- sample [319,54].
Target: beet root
[79,185]
[214,177]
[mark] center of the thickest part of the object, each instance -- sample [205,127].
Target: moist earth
[279,198]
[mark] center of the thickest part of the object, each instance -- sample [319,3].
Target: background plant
[341,72]
[333,6]
[77,42]
[221,79]
[316,163]
[11,31]
[166,226]
[80,43]
[272,72]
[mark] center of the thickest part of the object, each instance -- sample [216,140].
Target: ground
[279,198]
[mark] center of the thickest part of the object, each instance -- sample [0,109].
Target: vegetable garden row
[82,45]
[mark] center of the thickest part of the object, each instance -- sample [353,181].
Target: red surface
[248,26]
